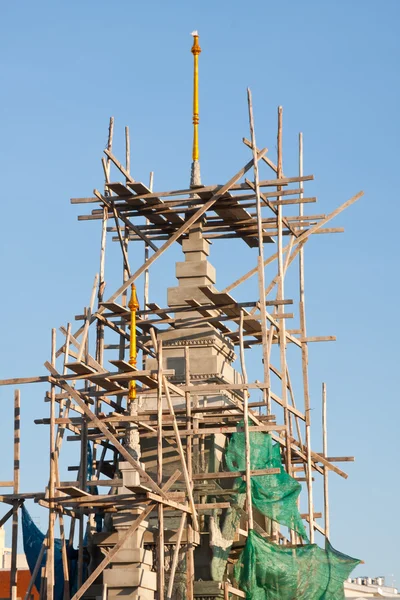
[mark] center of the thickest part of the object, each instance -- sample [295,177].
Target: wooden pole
[160,537]
[52,480]
[83,469]
[189,451]
[127,152]
[175,557]
[102,283]
[246,427]
[182,455]
[325,453]
[226,591]
[260,262]
[63,411]
[304,360]
[281,295]
[88,318]
[109,148]
[146,258]
[16,505]
[36,569]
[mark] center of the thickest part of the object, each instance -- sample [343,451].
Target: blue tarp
[33,541]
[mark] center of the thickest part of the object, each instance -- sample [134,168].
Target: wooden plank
[235,474]
[23,380]
[205,506]
[167,502]
[72,490]
[222,429]
[321,338]
[235,591]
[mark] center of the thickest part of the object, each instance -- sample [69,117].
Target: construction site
[194,480]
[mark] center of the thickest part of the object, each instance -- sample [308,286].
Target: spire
[133,306]
[195,171]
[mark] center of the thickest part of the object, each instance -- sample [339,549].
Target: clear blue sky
[66,67]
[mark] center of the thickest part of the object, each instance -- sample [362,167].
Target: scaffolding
[158,421]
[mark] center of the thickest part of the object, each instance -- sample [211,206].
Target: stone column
[130,574]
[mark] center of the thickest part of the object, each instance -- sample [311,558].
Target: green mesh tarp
[266,571]
[275,496]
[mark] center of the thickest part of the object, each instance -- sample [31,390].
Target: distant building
[5,554]
[365,587]
[23,575]
[23,579]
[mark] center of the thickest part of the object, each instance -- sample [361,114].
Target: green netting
[275,496]
[266,571]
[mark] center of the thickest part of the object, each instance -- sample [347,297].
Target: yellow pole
[133,306]
[196,51]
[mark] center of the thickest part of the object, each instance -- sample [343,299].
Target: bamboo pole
[326,471]
[160,537]
[16,505]
[260,262]
[246,427]
[304,360]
